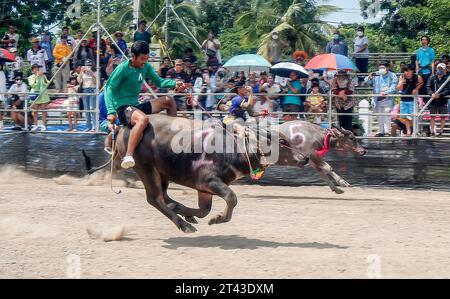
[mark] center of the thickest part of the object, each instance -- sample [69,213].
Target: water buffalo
[163,156]
[315,141]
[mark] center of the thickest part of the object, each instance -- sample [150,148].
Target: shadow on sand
[238,242]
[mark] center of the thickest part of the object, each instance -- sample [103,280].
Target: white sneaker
[127,162]
[34,128]
[43,128]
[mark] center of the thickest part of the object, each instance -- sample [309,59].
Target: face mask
[336,36]
[360,33]
[275,36]
[440,72]
[383,71]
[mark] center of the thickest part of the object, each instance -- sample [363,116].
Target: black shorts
[438,109]
[125,112]
[291,108]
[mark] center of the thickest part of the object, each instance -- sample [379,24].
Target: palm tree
[297,20]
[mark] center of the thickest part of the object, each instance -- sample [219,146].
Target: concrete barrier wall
[415,163]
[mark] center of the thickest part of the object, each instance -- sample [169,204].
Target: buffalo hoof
[188,229]
[191,219]
[338,191]
[216,220]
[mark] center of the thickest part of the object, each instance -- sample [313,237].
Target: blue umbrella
[247,62]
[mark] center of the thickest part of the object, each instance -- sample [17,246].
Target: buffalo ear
[336,133]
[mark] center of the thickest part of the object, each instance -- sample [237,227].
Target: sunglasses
[178,65]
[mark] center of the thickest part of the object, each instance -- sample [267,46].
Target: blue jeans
[89,104]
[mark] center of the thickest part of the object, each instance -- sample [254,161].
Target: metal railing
[361,108]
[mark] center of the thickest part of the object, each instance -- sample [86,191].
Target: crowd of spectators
[72,63]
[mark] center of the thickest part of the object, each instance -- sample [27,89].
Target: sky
[350,12]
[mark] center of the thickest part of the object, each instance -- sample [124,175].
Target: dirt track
[276,232]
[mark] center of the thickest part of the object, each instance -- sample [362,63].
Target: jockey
[122,94]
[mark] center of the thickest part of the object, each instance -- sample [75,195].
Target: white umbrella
[283,69]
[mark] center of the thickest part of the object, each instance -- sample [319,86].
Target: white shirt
[15,89]
[359,43]
[87,79]
[15,37]
[70,41]
[2,85]
[258,107]
[39,57]
[15,66]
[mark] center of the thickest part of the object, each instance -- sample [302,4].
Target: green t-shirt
[125,83]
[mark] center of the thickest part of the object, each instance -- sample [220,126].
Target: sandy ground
[276,232]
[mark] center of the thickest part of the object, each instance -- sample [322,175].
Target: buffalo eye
[283,142]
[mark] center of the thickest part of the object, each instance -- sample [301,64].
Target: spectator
[241,77]
[439,102]
[79,36]
[273,89]
[361,51]
[37,55]
[424,61]
[19,88]
[263,104]
[2,95]
[165,67]
[10,39]
[72,103]
[315,103]
[275,47]
[189,56]
[178,73]
[384,83]
[46,44]
[121,43]
[18,116]
[314,78]
[402,67]
[300,57]
[253,81]
[212,49]
[142,33]
[337,45]
[114,59]
[13,68]
[69,39]
[241,104]
[409,84]
[88,80]
[38,83]
[291,102]
[342,88]
[83,53]
[262,78]
[62,53]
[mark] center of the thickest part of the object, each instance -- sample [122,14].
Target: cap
[88,62]
[442,65]
[118,33]
[13,50]
[35,65]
